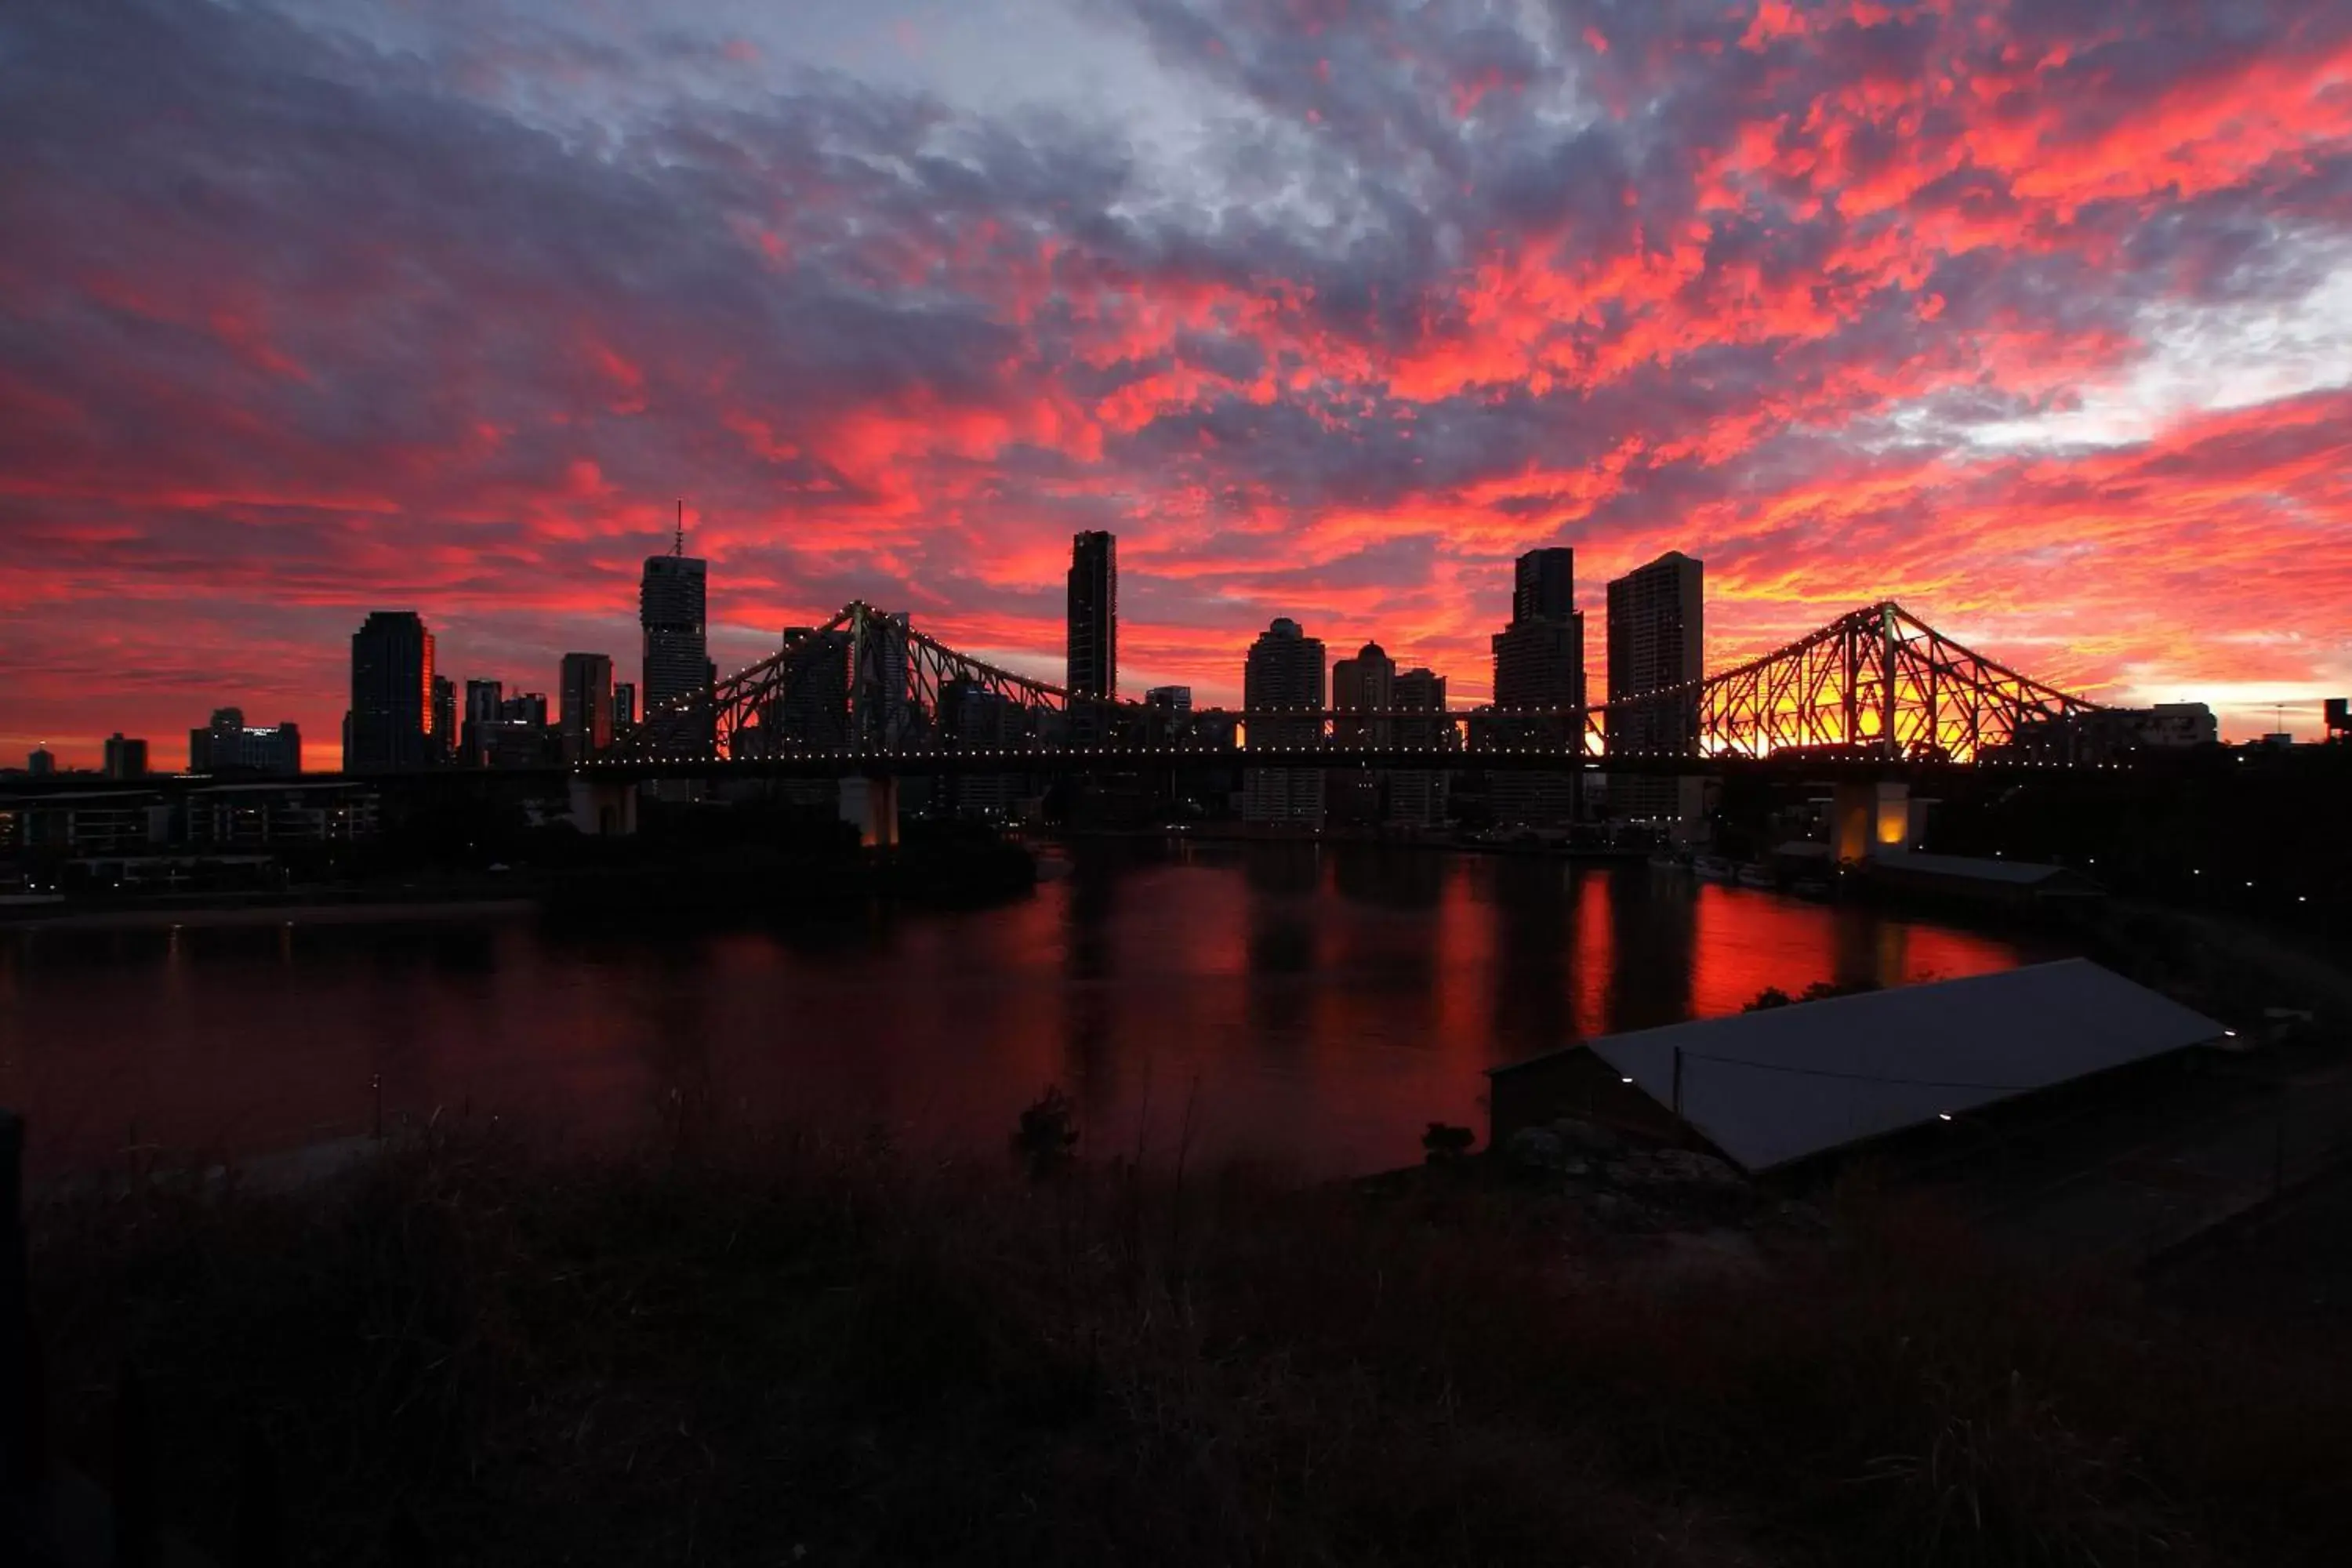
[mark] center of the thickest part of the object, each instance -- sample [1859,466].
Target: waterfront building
[1417,796]
[815,712]
[584,687]
[1285,671]
[1364,683]
[1169,699]
[976,719]
[883,711]
[1539,692]
[624,706]
[1657,641]
[391,694]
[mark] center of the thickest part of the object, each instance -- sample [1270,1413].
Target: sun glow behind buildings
[2040,329]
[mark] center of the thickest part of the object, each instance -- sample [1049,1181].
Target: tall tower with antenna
[671,602]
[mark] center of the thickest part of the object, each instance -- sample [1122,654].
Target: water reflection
[1319,1003]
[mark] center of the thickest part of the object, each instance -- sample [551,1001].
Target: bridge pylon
[869,803]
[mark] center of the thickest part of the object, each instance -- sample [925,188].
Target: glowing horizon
[2036,318]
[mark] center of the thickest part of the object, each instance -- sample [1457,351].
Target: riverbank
[336,908]
[797,1350]
[731,882]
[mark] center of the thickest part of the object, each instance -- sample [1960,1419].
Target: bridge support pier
[871,804]
[604,808]
[1868,817]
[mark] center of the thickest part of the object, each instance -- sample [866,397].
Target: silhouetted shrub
[1047,1139]
[1443,1144]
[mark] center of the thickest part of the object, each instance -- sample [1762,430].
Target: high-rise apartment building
[1364,683]
[882,707]
[1285,671]
[1416,796]
[1543,585]
[391,720]
[670,610]
[624,706]
[972,716]
[1093,668]
[1539,693]
[815,712]
[584,697]
[1657,640]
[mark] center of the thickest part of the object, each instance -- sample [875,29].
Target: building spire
[677,540]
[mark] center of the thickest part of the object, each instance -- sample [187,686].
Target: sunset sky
[2037,317]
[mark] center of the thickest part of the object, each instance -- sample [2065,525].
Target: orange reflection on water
[1317,1005]
[1747,940]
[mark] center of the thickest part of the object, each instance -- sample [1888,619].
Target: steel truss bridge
[869,692]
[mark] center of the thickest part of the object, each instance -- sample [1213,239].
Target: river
[1313,1004]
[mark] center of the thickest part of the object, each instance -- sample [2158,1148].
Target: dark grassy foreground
[792,1352]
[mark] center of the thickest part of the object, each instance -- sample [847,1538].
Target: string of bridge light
[1886,610]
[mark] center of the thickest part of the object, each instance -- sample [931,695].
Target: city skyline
[1654,618]
[2039,326]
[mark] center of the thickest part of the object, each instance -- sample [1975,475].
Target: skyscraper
[1540,671]
[1657,639]
[1543,585]
[624,706]
[585,690]
[1093,669]
[670,607]
[1285,671]
[391,694]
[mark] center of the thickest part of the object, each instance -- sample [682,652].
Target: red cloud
[261,371]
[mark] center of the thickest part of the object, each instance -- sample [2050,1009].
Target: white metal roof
[1771,1087]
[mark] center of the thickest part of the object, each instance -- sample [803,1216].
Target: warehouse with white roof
[1771,1088]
